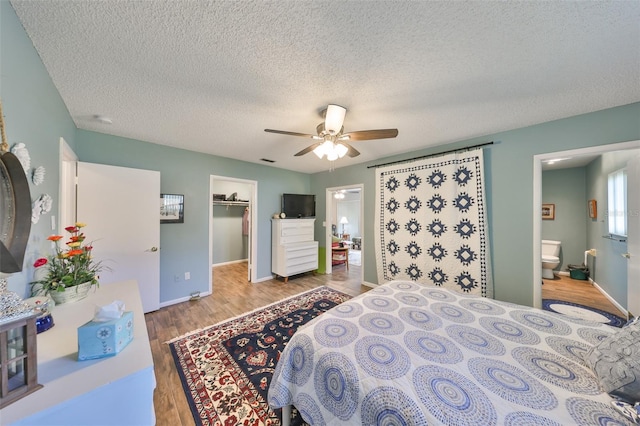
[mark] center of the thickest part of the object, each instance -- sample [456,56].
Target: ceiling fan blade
[308,149]
[283,132]
[352,151]
[365,135]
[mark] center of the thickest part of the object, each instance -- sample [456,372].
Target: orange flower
[69,266]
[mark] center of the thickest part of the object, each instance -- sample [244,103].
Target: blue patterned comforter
[408,353]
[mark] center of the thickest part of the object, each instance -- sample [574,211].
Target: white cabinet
[293,250]
[114,391]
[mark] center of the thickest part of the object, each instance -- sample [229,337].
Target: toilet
[550,257]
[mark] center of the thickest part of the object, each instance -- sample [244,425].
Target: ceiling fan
[331,139]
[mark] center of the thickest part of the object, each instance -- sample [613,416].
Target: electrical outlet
[187,276]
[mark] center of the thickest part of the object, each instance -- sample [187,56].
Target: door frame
[67,187]
[330,206]
[252,273]
[537,202]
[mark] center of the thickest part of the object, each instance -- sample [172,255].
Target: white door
[121,209]
[633,236]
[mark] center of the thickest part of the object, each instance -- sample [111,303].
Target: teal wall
[609,269]
[185,247]
[566,188]
[35,115]
[509,186]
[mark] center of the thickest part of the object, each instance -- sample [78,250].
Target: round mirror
[15,213]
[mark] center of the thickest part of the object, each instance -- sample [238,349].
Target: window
[617,207]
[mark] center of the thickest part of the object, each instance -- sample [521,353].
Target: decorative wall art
[38,175]
[21,151]
[171,208]
[593,209]
[548,211]
[431,223]
[41,206]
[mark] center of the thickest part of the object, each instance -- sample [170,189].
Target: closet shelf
[230,203]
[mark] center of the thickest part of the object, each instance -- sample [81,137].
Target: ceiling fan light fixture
[323,149]
[332,150]
[341,150]
[334,119]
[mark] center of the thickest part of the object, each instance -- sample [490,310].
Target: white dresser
[113,391]
[293,250]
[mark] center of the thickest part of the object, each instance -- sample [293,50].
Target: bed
[415,354]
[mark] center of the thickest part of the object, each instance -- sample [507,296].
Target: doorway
[344,226]
[232,223]
[537,201]
[67,190]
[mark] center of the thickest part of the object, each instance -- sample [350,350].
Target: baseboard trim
[231,262]
[181,299]
[611,299]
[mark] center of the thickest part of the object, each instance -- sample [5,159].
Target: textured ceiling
[210,76]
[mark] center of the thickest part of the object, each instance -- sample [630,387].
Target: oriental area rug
[226,369]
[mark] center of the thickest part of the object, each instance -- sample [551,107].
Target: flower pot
[71,294]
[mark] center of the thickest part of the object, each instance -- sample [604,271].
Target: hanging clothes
[245,222]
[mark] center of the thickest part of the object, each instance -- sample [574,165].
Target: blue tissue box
[103,339]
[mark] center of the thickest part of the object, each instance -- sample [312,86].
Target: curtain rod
[467,148]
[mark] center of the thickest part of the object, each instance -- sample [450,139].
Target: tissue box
[102,339]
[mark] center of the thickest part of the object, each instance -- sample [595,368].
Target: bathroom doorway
[596,226]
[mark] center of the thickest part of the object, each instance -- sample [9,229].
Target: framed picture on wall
[593,209]
[171,208]
[548,211]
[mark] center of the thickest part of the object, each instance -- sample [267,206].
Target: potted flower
[70,272]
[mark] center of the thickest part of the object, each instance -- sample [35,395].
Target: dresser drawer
[296,229]
[306,252]
[293,269]
[296,238]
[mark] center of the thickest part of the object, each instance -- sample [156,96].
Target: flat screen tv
[299,205]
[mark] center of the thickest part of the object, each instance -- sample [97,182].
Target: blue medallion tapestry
[431,223]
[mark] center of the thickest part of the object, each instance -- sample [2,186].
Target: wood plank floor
[582,292]
[232,296]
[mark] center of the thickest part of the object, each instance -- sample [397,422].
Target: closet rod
[466,148]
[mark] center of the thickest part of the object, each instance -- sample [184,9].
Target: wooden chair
[339,254]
